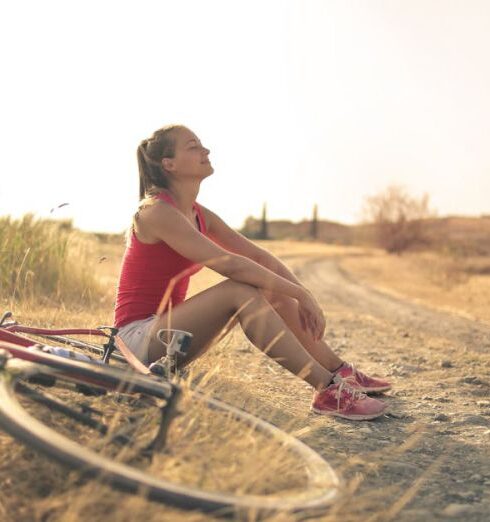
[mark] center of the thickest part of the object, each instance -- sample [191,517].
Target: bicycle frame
[166,366]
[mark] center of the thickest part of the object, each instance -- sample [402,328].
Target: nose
[205,154]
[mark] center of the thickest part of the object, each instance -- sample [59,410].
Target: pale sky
[300,102]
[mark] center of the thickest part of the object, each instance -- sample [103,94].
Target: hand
[311,315]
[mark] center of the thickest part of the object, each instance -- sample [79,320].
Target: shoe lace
[348,378]
[351,394]
[356,374]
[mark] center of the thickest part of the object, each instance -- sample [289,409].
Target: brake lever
[5,316]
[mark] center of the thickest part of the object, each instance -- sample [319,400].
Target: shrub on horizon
[398,218]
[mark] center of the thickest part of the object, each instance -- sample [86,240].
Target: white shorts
[134,336]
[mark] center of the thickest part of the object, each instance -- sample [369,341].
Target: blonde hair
[150,154]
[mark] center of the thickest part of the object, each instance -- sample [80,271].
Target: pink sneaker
[361,381]
[340,400]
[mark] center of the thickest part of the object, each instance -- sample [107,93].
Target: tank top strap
[169,199]
[202,222]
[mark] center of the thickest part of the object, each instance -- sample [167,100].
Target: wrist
[301,293]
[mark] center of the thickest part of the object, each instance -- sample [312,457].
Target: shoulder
[151,216]
[157,211]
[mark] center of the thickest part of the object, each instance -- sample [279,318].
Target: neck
[184,195]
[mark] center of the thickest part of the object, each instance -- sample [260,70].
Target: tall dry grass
[42,259]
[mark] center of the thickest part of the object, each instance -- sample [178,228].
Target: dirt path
[438,364]
[338,287]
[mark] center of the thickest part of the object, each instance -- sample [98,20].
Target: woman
[172,234]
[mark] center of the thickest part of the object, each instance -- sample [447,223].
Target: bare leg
[207,313]
[287,308]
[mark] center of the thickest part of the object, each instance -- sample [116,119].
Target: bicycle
[150,429]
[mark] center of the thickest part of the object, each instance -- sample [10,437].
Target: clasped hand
[311,315]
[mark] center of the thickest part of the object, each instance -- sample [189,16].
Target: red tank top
[146,272]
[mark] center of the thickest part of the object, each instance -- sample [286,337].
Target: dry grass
[48,261]
[219,456]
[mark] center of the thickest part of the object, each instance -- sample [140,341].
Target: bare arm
[310,313]
[233,241]
[271,262]
[166,223]
[258,275]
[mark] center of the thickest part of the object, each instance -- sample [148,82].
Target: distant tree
[263,225]
[398,218]
[314,223]
[250,228]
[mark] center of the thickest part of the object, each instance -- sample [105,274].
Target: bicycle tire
[323,484]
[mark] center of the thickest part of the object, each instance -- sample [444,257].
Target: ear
[168,164]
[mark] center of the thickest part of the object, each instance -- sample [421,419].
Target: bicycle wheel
[126,451]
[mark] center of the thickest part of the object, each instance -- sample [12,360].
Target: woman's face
[191,158]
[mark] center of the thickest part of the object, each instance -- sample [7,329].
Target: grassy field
[389,466]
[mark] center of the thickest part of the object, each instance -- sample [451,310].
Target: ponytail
[150,154]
